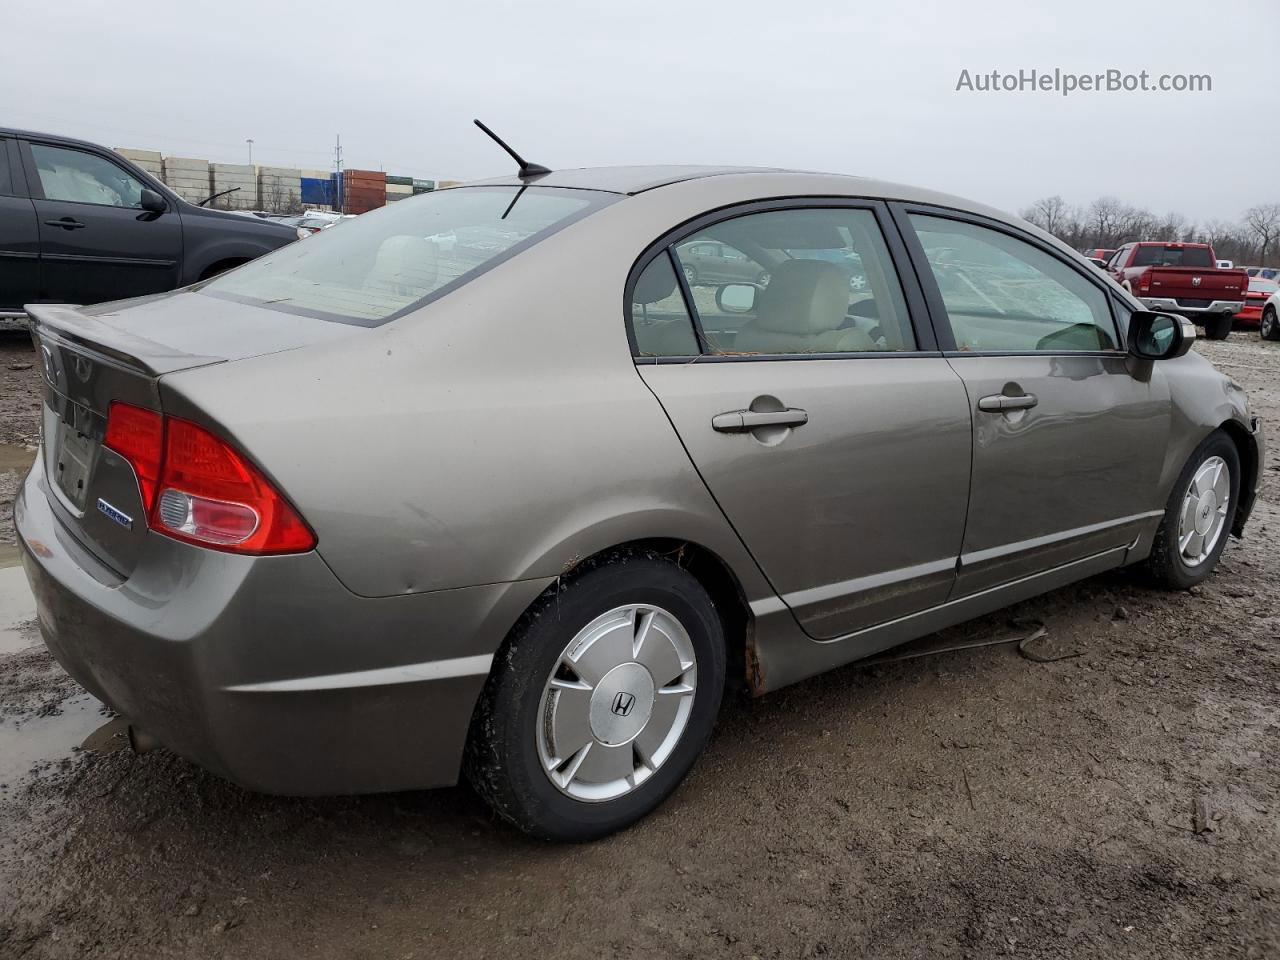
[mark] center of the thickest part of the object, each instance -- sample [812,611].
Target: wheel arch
[1247,449]
[715,574]
[221,266]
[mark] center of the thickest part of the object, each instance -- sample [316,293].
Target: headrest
[405,263]
[803,296]
[656,283]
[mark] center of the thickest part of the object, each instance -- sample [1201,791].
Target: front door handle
[740,421]
[66,223]
[1002,403]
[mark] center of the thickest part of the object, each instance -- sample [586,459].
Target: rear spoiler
[97,335]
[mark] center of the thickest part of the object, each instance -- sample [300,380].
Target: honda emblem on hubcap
[623,703]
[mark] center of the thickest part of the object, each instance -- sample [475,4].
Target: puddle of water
[17,611]
[16,457]
[40,740]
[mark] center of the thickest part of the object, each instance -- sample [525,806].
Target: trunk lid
[1198,283]
[119,352]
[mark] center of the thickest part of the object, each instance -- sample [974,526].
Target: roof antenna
[526,169]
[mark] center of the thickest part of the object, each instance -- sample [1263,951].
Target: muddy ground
[1124,802]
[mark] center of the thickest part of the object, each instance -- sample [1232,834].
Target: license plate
[74,454]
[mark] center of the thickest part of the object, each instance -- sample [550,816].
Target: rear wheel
[600,701]
[1199,515]
[1269,325]
[1219,327]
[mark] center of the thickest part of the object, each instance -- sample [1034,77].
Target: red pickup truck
[1182,278]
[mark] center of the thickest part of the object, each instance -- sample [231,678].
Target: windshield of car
[1258,285]
[386,262]
[1172,257]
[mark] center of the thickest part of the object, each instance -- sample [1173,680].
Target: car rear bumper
[1171,305]
[1249,314]
[266,670]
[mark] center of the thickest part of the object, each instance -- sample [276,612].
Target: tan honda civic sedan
[481,483]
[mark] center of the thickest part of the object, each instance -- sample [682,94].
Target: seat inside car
[403,267]
[802,310]
[660,336]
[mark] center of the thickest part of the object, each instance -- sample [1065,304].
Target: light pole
[250,143]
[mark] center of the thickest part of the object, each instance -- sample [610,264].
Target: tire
[517,723]
[1169,565]
[1219,327]
[1269,325]
[690,276]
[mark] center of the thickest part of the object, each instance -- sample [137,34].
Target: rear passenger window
[799,281]
[659,319]
[1003,294]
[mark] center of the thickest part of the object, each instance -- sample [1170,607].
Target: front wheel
[1269,325]
[1199,515]
[600,701]
[1219,327]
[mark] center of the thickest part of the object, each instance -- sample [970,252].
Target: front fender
[1204,400]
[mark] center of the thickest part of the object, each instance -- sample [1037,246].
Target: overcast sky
[851,86]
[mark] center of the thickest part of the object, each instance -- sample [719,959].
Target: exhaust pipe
[141,741]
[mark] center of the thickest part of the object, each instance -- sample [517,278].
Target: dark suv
[80,224]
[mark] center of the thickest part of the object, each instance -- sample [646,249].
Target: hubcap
[616,702]
[1204,511]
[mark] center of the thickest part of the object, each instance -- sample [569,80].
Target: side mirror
[736,297]
[1159,336]
[152,201]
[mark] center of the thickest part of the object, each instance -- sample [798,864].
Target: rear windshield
[375,267]
[1258,285]
[1172,257]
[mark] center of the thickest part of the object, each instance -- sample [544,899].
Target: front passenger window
[81,177]
[1003,294]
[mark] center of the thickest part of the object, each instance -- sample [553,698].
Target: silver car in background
[375,509]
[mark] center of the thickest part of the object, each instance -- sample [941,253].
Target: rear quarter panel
[501,433]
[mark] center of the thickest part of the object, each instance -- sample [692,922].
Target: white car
[1269,322]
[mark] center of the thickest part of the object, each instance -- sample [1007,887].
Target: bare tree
[278,198]
[1263,222]
[1106,216]
[1049,214]
[1169,227]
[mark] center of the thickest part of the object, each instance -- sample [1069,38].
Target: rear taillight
[1144,283]
[138,436]
[197,487]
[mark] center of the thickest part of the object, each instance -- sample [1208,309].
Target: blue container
[315,190]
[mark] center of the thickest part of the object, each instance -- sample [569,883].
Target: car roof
[55,137]
[628,180]
[636,180]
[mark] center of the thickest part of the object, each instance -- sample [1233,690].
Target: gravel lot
[1123,802]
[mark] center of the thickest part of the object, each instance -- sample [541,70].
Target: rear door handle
[740,421]
[1000,403]
[66,223]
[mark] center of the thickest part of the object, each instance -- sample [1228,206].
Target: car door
[97,243]
[19,235]
[829,429]
[1067,443]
